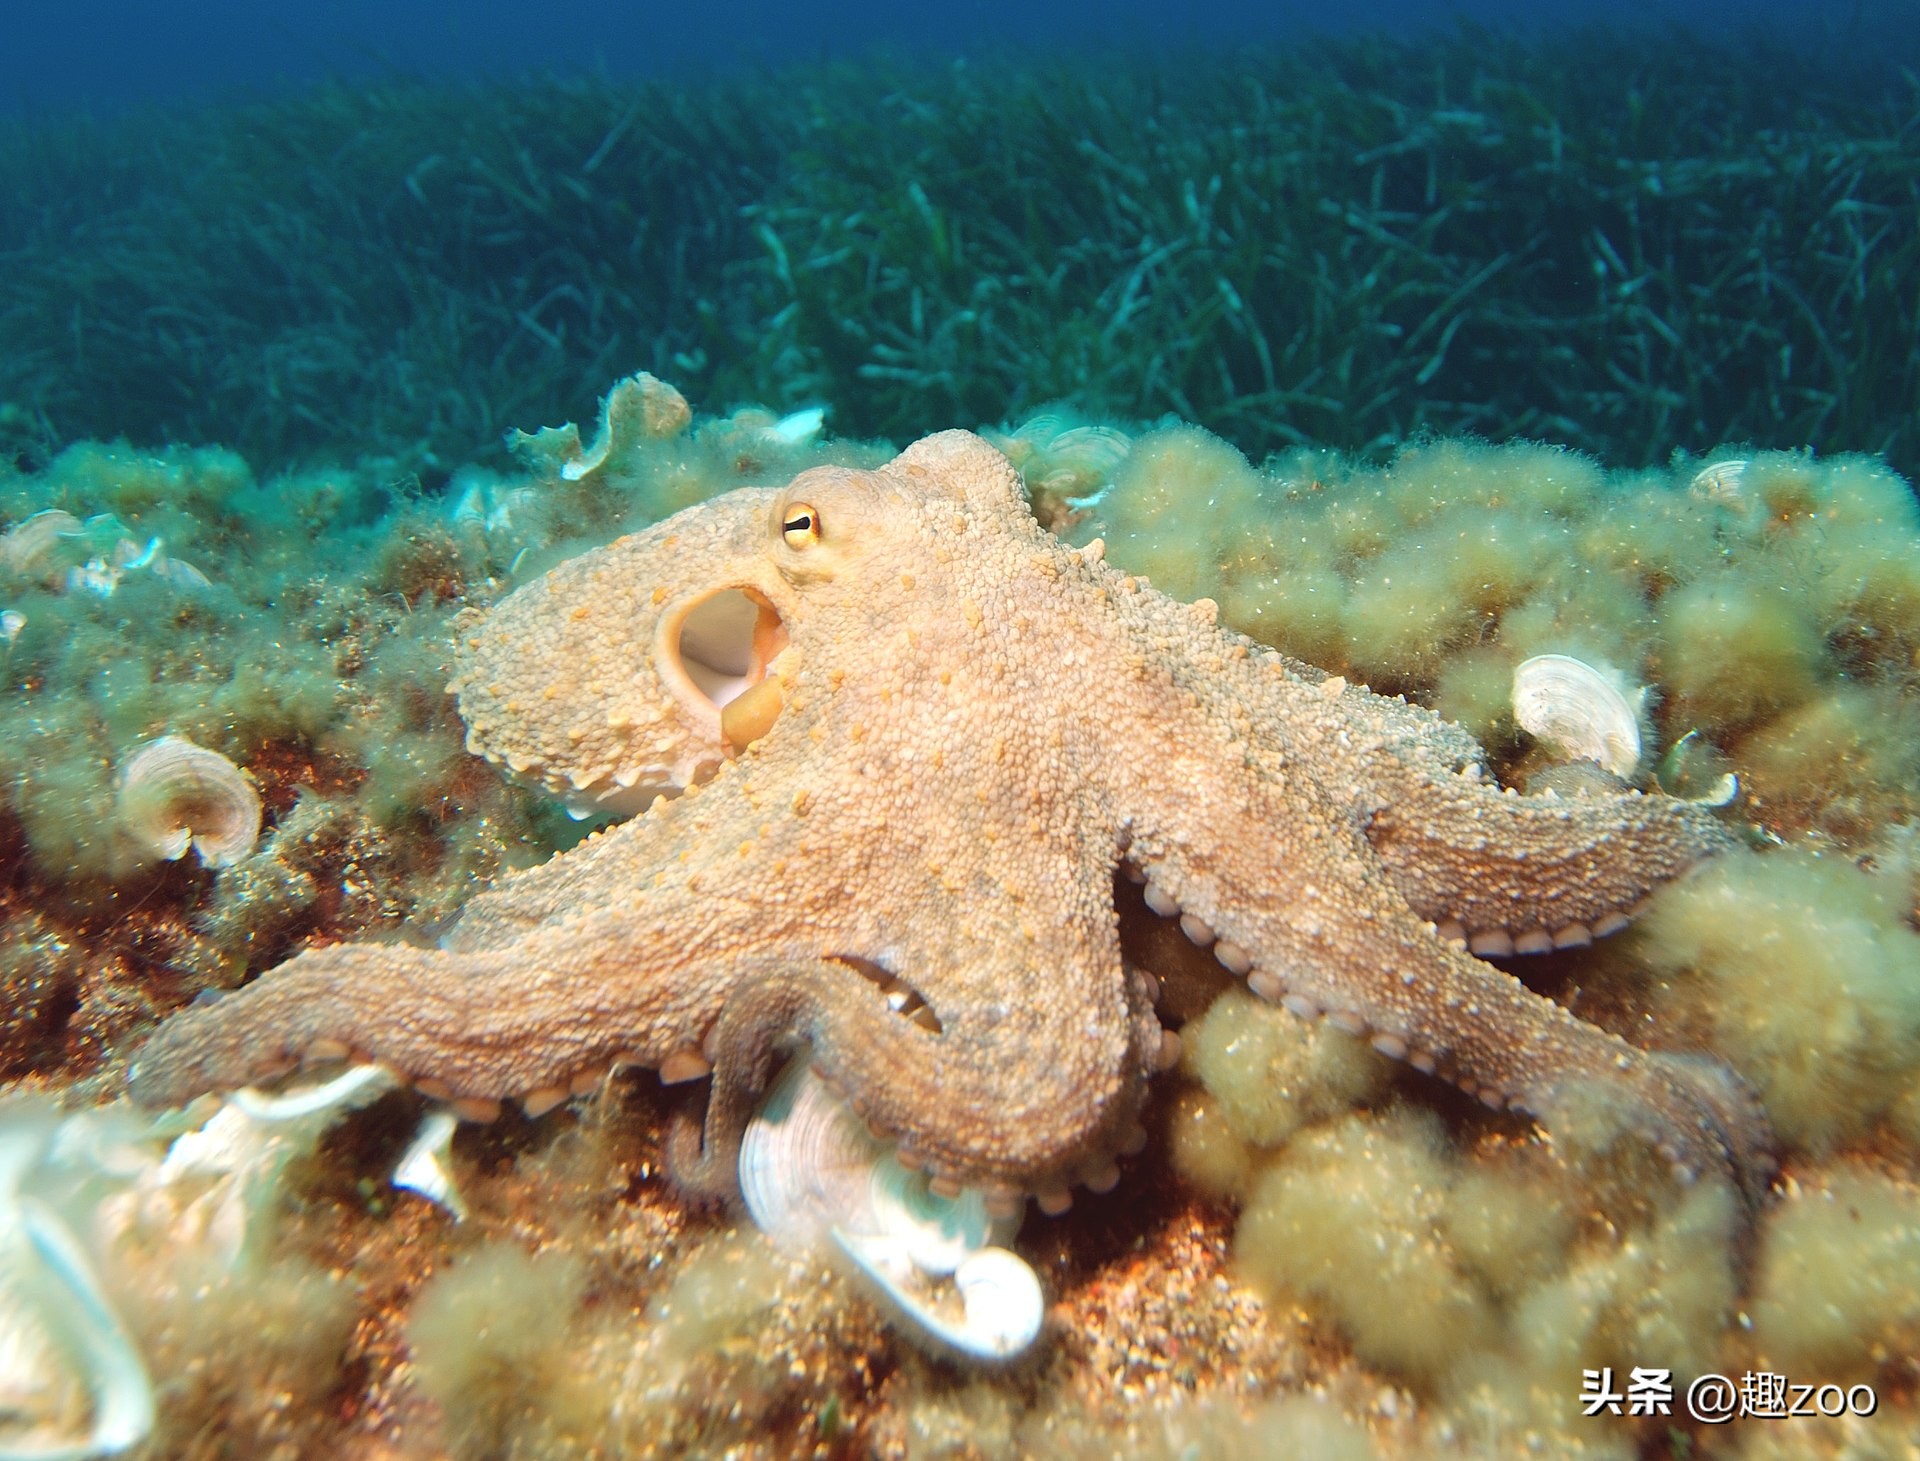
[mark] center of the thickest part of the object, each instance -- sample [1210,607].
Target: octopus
[890,749]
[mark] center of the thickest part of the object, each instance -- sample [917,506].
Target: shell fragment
[811,1173]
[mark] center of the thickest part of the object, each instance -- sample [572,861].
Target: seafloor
[1317,1250]
[1344,261]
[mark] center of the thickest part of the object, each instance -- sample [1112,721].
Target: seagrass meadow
[1422,362]
[1619,243]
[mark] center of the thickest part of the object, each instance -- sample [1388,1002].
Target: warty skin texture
[976,725]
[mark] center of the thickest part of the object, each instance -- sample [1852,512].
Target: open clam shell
[175,795]
[812,1174]
[1579,710]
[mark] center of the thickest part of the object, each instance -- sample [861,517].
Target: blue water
[102,55]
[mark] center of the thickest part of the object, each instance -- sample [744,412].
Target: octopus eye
[800,526]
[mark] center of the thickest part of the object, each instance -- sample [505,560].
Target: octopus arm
[1029,1096]
[1427,1001]
[535,1017]
[1534,872]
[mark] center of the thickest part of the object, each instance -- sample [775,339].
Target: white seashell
[470,508]
[424,1167]
[232,1164]
[181,574]
[1721,482]
[174,794]
[1039,429]
[1579,710]
[1004,1302]
[811,1172]
[24,547]
[486,504]
[1000,1304]
[1078,464]
[808,1165]
[905,1218]
[72,1384]
[797,428]
[642,405]
[1090,452]
[95,577]
[357,1086]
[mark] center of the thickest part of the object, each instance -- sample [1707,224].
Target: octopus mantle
[917,736]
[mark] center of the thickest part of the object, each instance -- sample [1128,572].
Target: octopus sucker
[1004,1202]
[1268,985]
[1197,929]
[589,1079]
[1053,1201]
[538,1103]
[1348,1022]
[1533,941]
[1168,1055]
[684,1065]
[1233,958]
[326,1052]
[870,874]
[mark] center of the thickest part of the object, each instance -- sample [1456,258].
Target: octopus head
[639,668]
[634,670]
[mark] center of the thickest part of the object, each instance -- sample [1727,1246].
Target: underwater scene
[1077,753]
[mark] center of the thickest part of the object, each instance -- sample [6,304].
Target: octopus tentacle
[607,871]
[1424,1000]
[944,1096]
[532,1022]
[1516,874]
[1442,1010]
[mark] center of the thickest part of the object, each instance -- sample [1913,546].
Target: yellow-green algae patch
[1263,1073]
[1835,1295]
[1772,603]
[491,1337]
[1803,971]
[1273,1072]
[1352,1217]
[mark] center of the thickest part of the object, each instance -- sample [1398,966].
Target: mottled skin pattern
[976,726]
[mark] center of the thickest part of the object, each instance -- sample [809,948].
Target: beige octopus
[919,736]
